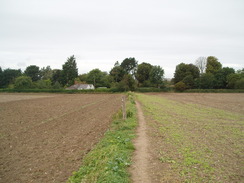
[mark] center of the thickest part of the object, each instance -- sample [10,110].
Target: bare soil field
[233,102]
[43,137]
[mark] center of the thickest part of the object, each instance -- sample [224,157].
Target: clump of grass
[109,160]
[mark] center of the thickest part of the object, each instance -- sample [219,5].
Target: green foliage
[109,161]
[180,86]
[57,85]
[189,81]
[8,76]
[46,73]
[221,77]
[83,78]
[129,65]
[182,70]
[233,80]
[156,75]
[97,78]
[143,73]
[213,65]
[128,83]
[70,71]
[1,77]
[43,84]
[239,84]
[206,81]
[117,73]
[57,77]
[23,82]
[33,72]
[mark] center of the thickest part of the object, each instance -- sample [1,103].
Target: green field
[195,143]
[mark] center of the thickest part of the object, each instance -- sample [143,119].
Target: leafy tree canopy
[57,77]
[117,73]
[46,73]
[213,65]
[156,75]
[96,77]
[8,76]
[129,65]
[143,72]
[182,70]
[33,72]
[221,77]
[70,71]
[23,82]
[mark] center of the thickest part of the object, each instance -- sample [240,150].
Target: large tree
[8,77]
[201,64]
[221,77]
[1,77]
[206,81]
[117,73]
[23,82]
[70,71]
[33,72]
[213,65]
[234,79]
[143,72]
[129,65]
[156,75]
[182,70]
[97,78]
[127,83]
[46,73]
[57,77]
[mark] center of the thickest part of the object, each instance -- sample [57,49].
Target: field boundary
[110,159]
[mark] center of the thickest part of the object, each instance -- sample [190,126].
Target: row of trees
[125,76]
[207,73]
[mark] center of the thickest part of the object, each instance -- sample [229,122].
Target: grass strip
[109,160]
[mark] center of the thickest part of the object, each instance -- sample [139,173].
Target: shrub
[23,82]
[180,86]
[239,84]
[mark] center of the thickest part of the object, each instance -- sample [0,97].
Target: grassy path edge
[110,159]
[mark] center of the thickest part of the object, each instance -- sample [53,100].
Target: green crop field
[195,143]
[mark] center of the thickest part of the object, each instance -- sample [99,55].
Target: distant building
[81,87]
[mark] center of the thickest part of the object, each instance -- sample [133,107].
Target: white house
[81,87]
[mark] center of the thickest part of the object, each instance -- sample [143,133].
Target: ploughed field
[43,137]
[195,137]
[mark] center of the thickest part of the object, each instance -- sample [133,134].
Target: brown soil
[139,168]
[44,139]
[233,102]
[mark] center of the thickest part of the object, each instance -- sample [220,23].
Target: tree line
[123,77]
[206,73]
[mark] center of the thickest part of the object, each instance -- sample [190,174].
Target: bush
[23,82]
[180,86]
[239,84]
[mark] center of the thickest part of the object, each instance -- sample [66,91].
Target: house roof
[80,86]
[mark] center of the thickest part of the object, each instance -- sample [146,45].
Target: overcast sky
[101,32]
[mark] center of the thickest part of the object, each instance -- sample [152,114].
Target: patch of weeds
[109,160]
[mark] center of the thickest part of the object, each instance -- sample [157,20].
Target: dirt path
[139,169]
